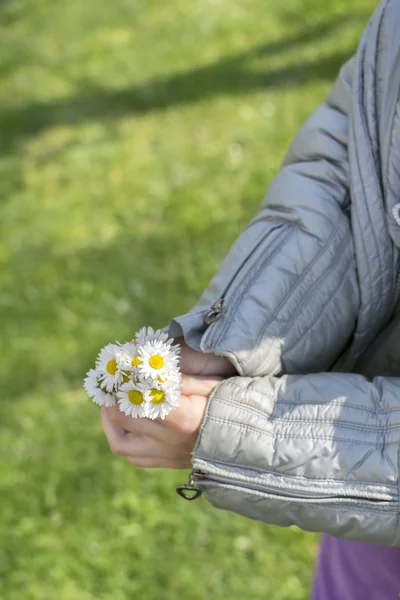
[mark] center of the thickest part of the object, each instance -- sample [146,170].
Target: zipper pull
[216,311]
[190,491]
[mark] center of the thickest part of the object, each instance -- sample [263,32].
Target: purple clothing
[356,571]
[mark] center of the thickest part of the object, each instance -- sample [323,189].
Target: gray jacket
[312,279]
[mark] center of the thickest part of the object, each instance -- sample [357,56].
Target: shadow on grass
[232,75]
[154,285]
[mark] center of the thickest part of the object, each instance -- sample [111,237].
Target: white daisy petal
[158,360]
[129,360]
[171,378]
[107,365]
[160,402]
[102,398]
[147,334]
[93,387]
[131,400]
[143,375]
[91,383]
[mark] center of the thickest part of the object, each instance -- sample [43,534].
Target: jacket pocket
[200,480]
[262,251]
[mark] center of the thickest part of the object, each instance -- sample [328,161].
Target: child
[306,288]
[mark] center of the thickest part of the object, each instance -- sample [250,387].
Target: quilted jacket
[298,437]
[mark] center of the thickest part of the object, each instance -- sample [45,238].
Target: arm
[316,450]
[320,451]
[289,290]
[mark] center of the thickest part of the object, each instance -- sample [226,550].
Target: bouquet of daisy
[142,375]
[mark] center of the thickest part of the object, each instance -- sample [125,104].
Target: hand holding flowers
[141,379]
[161,443]
[142,376]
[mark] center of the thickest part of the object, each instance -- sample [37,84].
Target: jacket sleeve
[320,451]
[286,297]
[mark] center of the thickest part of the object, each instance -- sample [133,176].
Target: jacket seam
[352,406]
[378,157]
[253,273]
[392,120]
[276,435]
[343,506]
[318,284]
[325,248]
[355,214]
[205,419]
[320,421]
[376,301]
[290,348]
[288,402]
[397,532]
[330,300]
[364,124]
[378,486]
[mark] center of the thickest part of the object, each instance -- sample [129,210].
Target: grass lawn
[136,140]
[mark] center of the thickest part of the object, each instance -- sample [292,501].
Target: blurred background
[137,138]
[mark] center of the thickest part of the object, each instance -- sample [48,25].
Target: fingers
[142,427]
[190,361]
[199,385]
[124,443]
[161,443]
[182,425]
[115,435]
[140,448]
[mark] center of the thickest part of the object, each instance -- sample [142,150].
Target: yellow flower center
[135,397]
[156,362]
[157,396]
[136,362]
[133,341]
[111,366]
[161,380]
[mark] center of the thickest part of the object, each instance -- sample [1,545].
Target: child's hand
[158,443]
[200,363]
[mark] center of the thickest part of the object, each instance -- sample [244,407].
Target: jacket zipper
[192,491]
[216,311]
[218,308]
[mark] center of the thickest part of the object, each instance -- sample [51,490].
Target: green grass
[136,140]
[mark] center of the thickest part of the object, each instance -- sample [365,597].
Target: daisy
[94,391]
[158,360]
[147,334]
[107,365]
[103,398]
[160,402]
[131,400]
[170,377]
[91,383]
[129,359]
